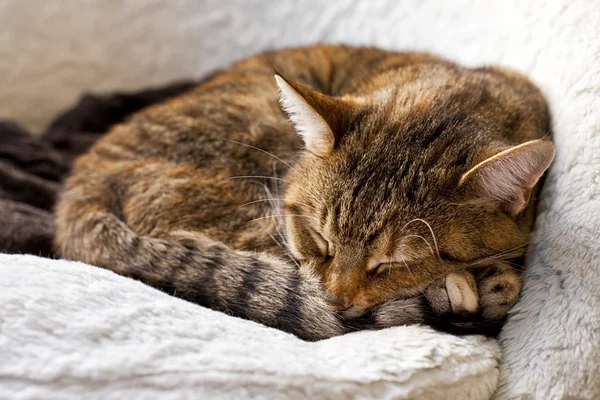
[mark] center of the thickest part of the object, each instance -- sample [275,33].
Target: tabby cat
[321,190]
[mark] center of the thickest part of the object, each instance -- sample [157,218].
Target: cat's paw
[457,293]
[499,290]
[491,293]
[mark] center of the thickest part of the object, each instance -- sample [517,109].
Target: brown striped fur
[187,196]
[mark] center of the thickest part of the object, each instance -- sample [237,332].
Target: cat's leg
[491,291]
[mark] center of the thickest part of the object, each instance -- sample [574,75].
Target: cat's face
[395,192]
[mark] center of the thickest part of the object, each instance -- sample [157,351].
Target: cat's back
[241,104]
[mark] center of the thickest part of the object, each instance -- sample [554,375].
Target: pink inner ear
[510,175]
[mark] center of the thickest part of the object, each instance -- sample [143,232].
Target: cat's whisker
[282,216]
[422,238]
[262,177]
[517,247]
[503,256]
[291,257]
[437,249]
[257,201]
[514,266]
[263,200]
[281,233]
[274,169]
[511,252]
[270,154]
[287,253]
[256,177]
[273,238]
[275,176]
[275,206]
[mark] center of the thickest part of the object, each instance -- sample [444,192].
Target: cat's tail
[254,286]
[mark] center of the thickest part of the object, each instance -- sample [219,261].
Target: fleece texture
[53,50]
[72,331]
[32,167]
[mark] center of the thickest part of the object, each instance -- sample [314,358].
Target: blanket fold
[31,168]
[104,336]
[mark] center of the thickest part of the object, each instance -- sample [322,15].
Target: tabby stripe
[130,252]
[364,322]
[252,278]
[205,289]
[290,317]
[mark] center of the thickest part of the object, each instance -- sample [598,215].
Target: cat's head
[404,185]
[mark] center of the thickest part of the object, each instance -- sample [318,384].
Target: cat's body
[187,195]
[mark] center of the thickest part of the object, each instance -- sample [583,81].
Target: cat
[321,190]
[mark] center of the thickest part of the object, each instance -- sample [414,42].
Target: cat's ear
[509,175]
[318,118]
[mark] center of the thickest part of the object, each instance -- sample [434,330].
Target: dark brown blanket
[32,168]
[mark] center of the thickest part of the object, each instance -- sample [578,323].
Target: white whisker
[261,177]
[259,201]
[256,177]
[501,256]
[422,238]
[508,252]
[275,176]
[281,216]
[275,205]
[278,225]
[283,247]
[270,154]
[263,200]
[513,266]
[437,249]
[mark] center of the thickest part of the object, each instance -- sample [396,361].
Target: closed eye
[325,247]
[381,268]
[377,266]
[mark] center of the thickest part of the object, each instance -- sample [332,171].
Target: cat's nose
[339,305]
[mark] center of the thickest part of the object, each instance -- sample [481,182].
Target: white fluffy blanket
[72,331]
[53,50]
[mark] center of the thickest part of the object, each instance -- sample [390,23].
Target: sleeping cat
[321,190]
